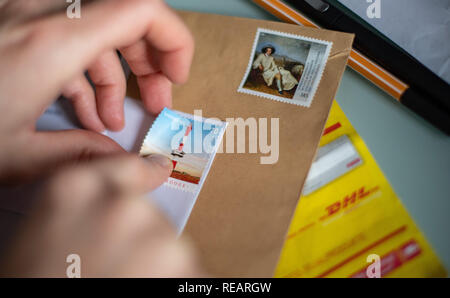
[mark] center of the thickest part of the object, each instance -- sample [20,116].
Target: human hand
[261,68]
[98,212]
[43,53]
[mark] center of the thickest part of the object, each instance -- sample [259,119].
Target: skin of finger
[109,79]
[132,175]
[59,58]
[154,87]
[123,227]
[45,257]
[58,226]
[156,92]
[63,226]
[139,57]
[160,51]
[106,25]
[114,176]
[107,233]
[155,67]
[143,247]
[137,214]
[119,227]
[104,227]
[109,237]
[153,250]
[169,258]
[125,221]
[117,175]
[82,96]
[23,9]
[174,55]
[50,151]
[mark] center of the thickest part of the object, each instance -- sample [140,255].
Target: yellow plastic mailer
[351,217]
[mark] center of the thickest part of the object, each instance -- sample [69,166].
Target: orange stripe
[351,258]
[302,229]
[374,79]
[285,13]
[380,77]
[375,68]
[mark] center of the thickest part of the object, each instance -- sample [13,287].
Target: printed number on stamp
[285,67]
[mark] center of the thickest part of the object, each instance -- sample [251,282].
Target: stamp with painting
[285,67]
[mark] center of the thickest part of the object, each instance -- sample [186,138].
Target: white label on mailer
[332,161]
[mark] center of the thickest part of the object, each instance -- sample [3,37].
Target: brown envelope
[244,209]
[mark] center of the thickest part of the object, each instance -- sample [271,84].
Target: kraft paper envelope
[241,217]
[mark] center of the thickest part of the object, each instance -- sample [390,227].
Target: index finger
[167,47]
[124,22]
[103,26]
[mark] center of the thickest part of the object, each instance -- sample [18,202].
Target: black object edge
[429,92]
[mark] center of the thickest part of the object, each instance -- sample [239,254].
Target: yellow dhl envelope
[348,212]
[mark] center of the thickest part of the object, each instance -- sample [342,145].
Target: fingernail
[160,160]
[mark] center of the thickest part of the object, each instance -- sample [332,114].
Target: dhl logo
[348,201]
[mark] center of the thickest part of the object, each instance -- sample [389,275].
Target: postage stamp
[285,67]
[191,142]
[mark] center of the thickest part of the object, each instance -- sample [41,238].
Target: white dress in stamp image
[296,69]
[270,70]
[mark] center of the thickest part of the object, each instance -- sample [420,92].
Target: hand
[43,53]
[261,68]
[98,212]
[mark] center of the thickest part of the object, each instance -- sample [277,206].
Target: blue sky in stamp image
[169,131]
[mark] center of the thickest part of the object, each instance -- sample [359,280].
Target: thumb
[131,175]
